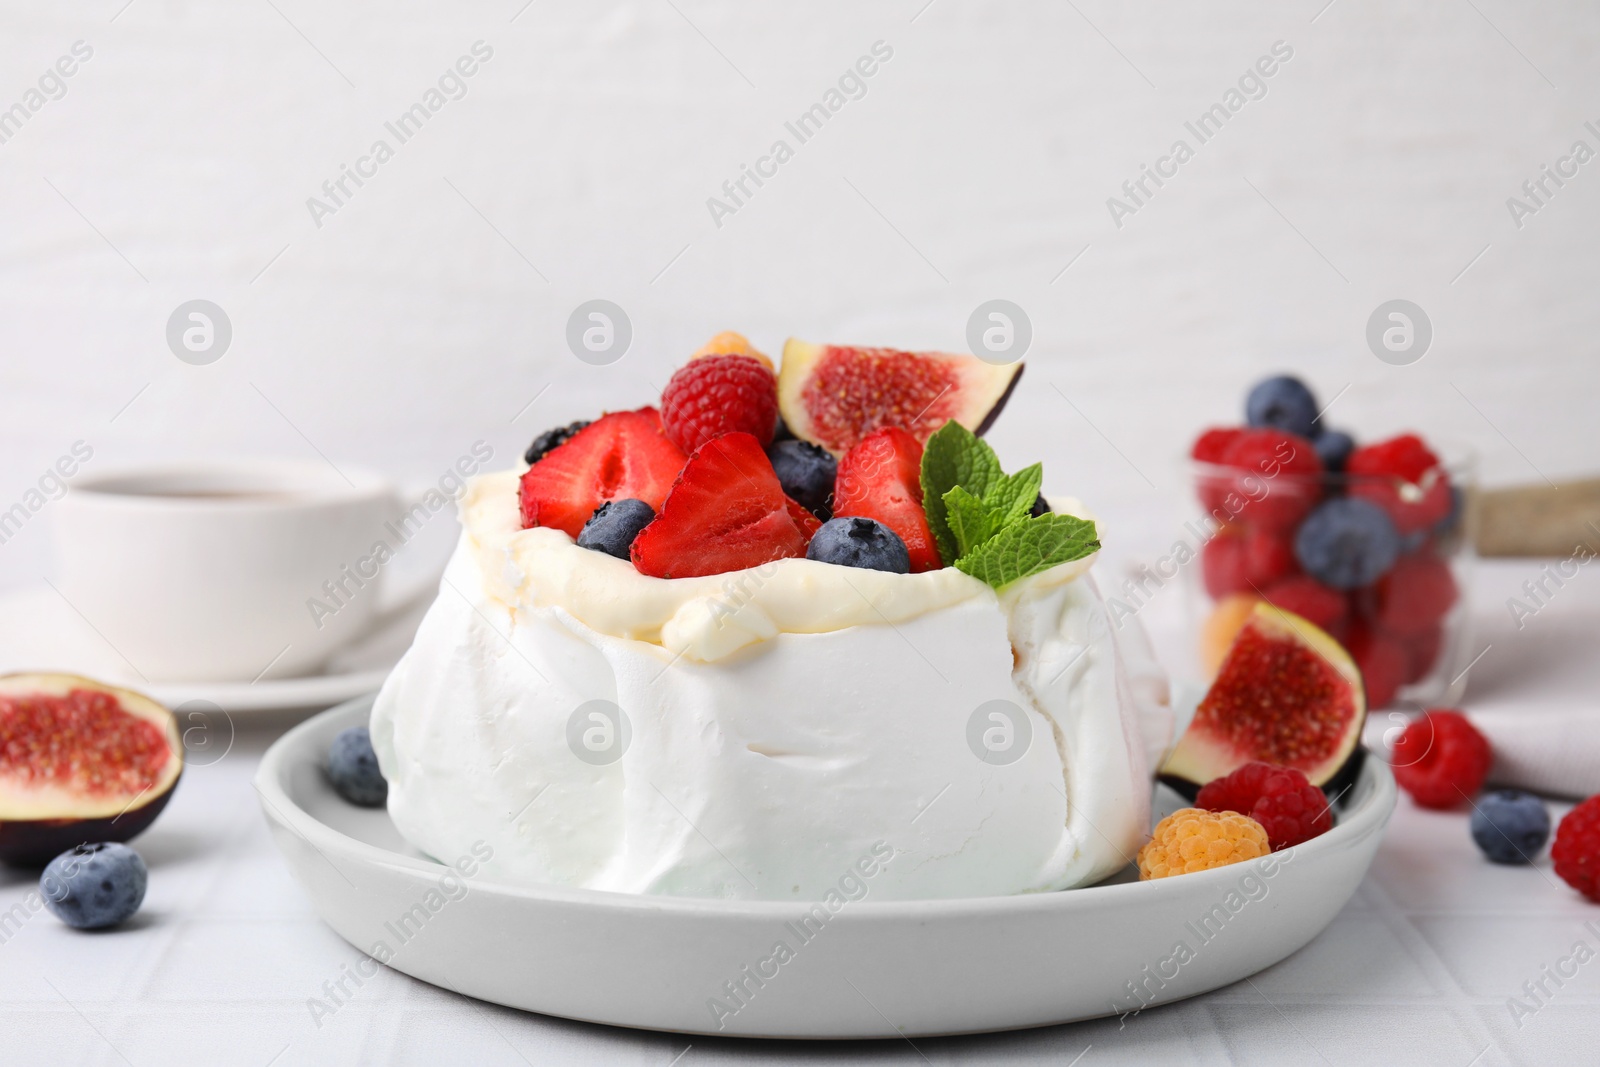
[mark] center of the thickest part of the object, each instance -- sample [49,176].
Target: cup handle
[397,602]
[395,605]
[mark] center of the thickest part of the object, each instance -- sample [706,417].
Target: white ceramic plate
[39,631]
[872,969]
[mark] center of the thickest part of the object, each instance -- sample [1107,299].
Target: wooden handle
[1538,520]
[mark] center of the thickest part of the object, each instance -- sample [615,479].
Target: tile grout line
[1452,994]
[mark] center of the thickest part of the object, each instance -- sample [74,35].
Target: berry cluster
[713,480]
[1442,760]
[1355,539]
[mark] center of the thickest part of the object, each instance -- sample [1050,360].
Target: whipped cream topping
[705,618]
[783,721]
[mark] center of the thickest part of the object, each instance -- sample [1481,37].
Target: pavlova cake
[781,632]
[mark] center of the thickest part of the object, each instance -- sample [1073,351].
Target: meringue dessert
[675,655]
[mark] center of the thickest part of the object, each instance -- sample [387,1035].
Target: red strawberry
[720,394]
[1404,478]
[726,512]
[618,456]
[808,523]
[881,478]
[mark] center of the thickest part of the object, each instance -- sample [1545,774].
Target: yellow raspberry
[729,343]
[1192,839]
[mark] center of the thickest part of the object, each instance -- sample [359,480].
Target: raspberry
[1308,598]
[1383,660]
[1294,813]
[1405,479]
[1268,556]
[1238,791]
[1239,560]
[1576,853]
[1281,799]
[1209,446]
[1404,457]
[1222,564]
[1191,840]
[1282,476]
[1213,488]
[714,395]
[1422,652]
[1415,595]
[1441,759]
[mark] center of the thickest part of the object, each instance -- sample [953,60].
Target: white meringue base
[770,771]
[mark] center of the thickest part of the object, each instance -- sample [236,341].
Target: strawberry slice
[881,478]
[725,512]
[808,523]
[618,456]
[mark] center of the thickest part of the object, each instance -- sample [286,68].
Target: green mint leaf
[1029,547]
[1013,496]
[972,521]
[954,456]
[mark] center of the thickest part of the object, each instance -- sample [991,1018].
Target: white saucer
[39,631]
[874,969]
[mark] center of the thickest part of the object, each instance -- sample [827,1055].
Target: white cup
[213,571]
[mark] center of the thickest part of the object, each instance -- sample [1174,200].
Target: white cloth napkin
[1543,749]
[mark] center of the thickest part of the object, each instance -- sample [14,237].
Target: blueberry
[1347,542]
[1283,402]
[1510,826]
[1041,506]
[781,431]
[806,473]
[353,769]
[614,525]
[856,542]
[550,439]
[90,887]
[1334,448]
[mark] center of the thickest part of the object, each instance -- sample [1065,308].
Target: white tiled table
[220,964]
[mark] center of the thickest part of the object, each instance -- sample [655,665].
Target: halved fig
[834,395]
[1287,693]
[80,762]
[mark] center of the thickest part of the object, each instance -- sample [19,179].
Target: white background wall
[431,308]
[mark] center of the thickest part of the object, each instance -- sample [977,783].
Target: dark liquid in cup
[221,496]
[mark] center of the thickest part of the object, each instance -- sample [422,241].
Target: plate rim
[1369,817]
[326,691]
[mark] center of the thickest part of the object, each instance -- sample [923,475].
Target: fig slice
[80,761]
[834,395]
[1287,693]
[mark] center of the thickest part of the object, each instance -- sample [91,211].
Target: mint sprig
[954,457]
[972,521]
[982,518]
[1029,547]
